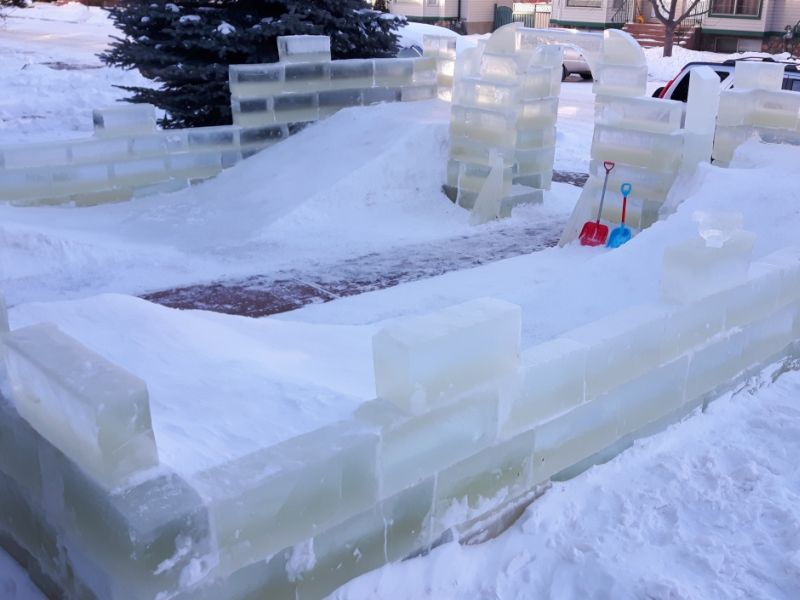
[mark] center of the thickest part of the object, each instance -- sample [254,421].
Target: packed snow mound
[220,385]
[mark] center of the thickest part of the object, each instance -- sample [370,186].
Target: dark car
[678,88]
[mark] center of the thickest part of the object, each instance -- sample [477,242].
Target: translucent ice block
[477,93]
[352,74]
[758,75]
[426,69]
[100,150]
[296,108]
[575,436]
[124,119]
[482,482]
[620,48]
[306,77]
[34,155]
[661,151]
[263,136]
[142,170]
[787,261]
[692,325]
[256,81]
[394,71]
[281,495]
[304,48]
[651,396]
[715,364]
[95,412]
[621,346]
[620,80]
[642,114]
[80,178]
[735,107]
[727,140]
[754,299]
[779,110]
[535,160]
[380,94]
[439,46]
[421,360]
[19,453]
[769,336]
[702,105]
[540,82]
[390,531]
[414,448]
[488,126]
[551,382]
[538,113]
[195,165]
[499,67]
[144,535]
[332,100]
[414,93]
[213,137]
[692,270]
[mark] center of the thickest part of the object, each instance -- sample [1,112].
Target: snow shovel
[621,234]
[595,233]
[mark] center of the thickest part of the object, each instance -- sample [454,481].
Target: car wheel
[586,76]
[564,73]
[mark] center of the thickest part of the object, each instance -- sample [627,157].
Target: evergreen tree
[187,45]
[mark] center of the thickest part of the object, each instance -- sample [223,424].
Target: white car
[575,63]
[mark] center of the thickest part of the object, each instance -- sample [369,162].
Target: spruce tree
[187,45]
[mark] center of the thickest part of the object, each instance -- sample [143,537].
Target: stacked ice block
[126,157]
[465,426]
[306,85]
[643,136]
[505,103]
[757,106]
[442,49]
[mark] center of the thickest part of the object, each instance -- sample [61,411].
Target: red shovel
[595,233]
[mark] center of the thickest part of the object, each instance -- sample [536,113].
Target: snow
[14,581]
[52,78]
[714,498]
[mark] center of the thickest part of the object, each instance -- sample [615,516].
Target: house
[724,26]
[475,16]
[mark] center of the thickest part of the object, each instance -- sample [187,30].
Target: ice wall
[306,85]
[757,106]
[505,103]
[128,157]
[650,140]
[464,427]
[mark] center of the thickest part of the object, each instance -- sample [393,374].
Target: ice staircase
[652,35]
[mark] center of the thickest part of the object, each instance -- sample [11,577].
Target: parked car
[678,88]
[574,62]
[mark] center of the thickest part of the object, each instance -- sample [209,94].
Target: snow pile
[52,78]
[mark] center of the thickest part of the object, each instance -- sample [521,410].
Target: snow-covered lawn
[707,509]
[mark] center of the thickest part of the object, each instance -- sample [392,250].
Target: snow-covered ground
[707,509]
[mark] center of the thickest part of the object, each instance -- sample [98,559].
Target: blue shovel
[621,234]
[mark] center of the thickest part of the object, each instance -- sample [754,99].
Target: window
[736,8]
[584,3]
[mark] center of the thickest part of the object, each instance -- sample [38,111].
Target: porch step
[651,35]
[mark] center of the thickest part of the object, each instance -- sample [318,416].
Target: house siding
[783,13]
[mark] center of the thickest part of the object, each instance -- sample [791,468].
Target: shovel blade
[619,236]
[593,234]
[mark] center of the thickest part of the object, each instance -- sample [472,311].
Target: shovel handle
[625,188]
[608,165]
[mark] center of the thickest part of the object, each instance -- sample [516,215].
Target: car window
[681,90]
[791,84]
